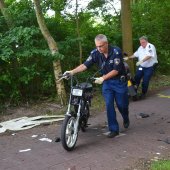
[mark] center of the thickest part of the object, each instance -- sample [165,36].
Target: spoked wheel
[69,134]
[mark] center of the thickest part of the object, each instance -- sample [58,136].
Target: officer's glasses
[100,46]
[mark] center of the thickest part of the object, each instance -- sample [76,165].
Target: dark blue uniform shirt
[114,61]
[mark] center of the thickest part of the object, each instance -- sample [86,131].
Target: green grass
[159,81]
[160,165]
[98,100]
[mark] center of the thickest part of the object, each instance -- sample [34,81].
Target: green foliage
[26,61]
[24,58]
[22,12]
[161,165]
[56,5]
[96,4]
[151,18]
[57,56]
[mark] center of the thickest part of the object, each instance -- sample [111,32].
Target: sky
[83,4]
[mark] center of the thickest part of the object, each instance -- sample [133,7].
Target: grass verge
[160,165]
[159,81]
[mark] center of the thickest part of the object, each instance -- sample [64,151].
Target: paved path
[145,139]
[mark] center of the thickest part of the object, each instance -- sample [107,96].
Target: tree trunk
[127,30]
[54,49]
[78,33]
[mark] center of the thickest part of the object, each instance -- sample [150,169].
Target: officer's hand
[99,80]
[125,58]
[139,63]
[68,73]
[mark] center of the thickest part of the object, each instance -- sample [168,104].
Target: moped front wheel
[69,133]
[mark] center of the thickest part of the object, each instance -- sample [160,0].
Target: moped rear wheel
[69,133]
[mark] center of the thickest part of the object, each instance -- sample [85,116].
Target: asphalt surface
[146,139]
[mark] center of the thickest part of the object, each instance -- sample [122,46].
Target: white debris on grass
[162,147]
[45,139]
[155,158]
[28,122]
[44,135]
[98,135]
[25,150]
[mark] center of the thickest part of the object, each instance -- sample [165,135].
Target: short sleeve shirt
[149,50]
[114,61]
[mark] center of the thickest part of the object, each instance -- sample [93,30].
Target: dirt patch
[29,110]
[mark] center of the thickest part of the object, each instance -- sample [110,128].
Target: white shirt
[149,50]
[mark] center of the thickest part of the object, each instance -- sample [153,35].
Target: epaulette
[93,51]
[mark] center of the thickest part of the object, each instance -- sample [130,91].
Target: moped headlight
[77,92]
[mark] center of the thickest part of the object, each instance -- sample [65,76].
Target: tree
[127,30]
[6,14]
[54,51]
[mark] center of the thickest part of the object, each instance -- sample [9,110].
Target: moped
[78,112]
[132,88]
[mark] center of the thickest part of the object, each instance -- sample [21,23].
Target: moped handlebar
[64,76]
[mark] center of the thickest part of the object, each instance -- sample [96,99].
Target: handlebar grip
[92,78]
[64,76]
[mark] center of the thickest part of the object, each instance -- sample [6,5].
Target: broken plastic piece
[25,150]
[45,139]
[28,122]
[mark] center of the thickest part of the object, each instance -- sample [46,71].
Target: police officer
[110,60]
[147,59]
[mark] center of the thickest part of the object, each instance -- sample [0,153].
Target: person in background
[114,89]
[147,60]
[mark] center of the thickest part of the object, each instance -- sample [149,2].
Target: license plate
[77,92]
